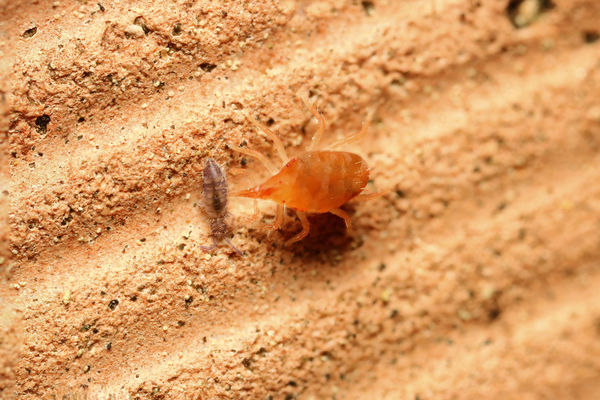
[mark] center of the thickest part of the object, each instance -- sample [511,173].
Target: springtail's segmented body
[214,195]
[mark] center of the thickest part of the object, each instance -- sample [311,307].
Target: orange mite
[317,181]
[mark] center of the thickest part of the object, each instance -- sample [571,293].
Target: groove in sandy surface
[559,315]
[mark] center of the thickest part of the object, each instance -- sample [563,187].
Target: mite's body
[214,195]
[317,181]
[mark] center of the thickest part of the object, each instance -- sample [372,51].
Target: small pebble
[385,295]
[135,31]
[464,314]
[525,12]
[113,304]
[488,292]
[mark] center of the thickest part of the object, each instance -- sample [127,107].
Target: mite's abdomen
[319,181]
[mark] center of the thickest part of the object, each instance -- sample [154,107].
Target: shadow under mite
[327,232]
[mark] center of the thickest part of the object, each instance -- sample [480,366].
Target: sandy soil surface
[475,277]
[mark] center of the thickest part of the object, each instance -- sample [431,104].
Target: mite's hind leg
[248,220]
[305,229]
[277,222]
[357,136]
[344,215]
[316,139]
[369,196]
[278,218]
[352,138]
[271,135]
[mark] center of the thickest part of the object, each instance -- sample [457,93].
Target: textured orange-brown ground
[475,277]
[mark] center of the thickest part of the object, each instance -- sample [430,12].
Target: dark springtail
[214,191]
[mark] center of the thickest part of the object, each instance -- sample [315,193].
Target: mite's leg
[278,217]
[316,139]
[352,138]
[357,136]
[238,251]
[259,156]
[236,170]
[369,196]
[344,215]
[303,232]
[276,141]
[248,220]
[255,211]
[277,222]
